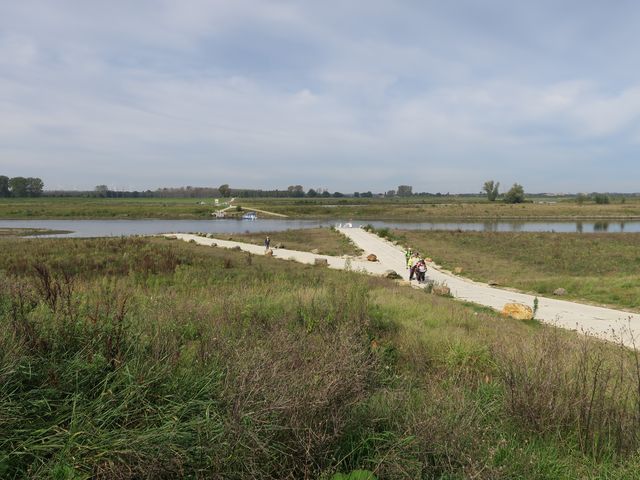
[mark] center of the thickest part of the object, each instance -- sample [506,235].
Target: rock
[279,245]
[269,253]
[214,244]
[517,311]
[321,262]
[392,274]
[441,290]
[457,270]
[315,251]
[236,248]
[430,260]
[372,258]
[211,235]
[560,292]
[493,283]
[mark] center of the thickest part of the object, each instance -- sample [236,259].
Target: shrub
[515,194]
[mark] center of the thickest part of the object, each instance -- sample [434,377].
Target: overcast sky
[345,95]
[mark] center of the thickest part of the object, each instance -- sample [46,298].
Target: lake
[104,228]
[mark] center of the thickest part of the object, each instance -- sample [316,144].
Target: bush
[515,194]
[601,198]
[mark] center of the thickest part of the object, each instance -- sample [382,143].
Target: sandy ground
[606,323]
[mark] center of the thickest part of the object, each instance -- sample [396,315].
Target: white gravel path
[606,323]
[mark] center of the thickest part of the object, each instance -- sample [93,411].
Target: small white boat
[250,216]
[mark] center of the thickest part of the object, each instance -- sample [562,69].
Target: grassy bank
[601,268]
[28,232]
[326,240]
[138,358]
[409,209]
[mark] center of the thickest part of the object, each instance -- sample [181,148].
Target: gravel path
[606,323]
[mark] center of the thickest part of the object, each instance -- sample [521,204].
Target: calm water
[102,228]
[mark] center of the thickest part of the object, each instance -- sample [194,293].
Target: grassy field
[326,240]
[600,267]
[412,208]
[149,358]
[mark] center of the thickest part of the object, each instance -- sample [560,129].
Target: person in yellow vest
[412,265]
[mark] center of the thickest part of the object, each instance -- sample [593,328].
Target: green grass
[326,240]
[141,358]
[395,208]
[601,268]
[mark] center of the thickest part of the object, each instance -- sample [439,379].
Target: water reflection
[102,228]
[601,226]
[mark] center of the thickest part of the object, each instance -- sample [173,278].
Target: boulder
[560,292]
[457,270]
[517,311]
[236,248]
[321,262]
[269,253]
[372,258]
[315,251]
[392,274]
[214,244]
[493,283]
[279,245]
[441,290]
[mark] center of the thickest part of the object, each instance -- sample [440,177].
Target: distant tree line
[20,186]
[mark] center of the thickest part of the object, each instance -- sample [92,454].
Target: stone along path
[606,323]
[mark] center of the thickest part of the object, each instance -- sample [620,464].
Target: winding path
[606,323]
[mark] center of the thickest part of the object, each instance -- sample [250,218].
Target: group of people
[417,266]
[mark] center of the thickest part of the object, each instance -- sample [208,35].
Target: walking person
[267,242]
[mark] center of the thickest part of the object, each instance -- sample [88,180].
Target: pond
[104,228]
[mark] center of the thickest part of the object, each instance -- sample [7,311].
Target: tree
[405,190]
[326,194]
[601,198]
[4,186]
[101,190]
[338,194]
[356,194]
[491,189]
[296,190]
[366,194]
[224,190]
[390,193]
[312,193]
[515,195]
[34,187]
[18,186]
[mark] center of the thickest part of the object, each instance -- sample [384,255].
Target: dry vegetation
[132,358]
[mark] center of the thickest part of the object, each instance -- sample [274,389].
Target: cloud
[356,96]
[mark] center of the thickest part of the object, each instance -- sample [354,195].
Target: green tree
[224,190]
[18,186]
[601,198]
[491,189]
[312,193]
[515,195]
[101,190]
[405,190]
[295,190]
[4,186]
[34,187]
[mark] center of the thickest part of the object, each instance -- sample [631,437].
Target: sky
[347,96]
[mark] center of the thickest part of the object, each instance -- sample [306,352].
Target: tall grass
[130,358]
